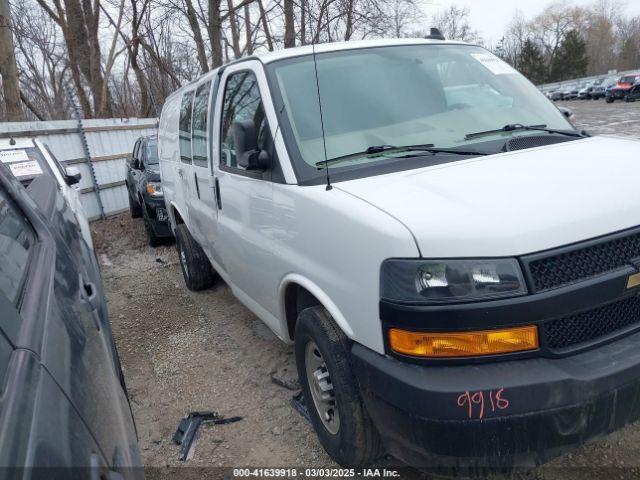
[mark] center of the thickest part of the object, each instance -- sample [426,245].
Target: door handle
[180,172]
[218,197]
[195,178]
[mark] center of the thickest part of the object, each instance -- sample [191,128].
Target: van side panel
[168,152]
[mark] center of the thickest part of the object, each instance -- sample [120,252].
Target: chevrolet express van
[457,266]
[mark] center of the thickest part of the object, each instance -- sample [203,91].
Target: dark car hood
[152,175]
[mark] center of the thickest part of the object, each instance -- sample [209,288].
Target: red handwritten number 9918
[476,404]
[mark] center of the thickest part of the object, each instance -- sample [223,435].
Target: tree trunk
[235,34]
[8,68]
[265,26]
[289,27]
[303,22]
[247,28]
[197,35]
[348,31]
[215,33]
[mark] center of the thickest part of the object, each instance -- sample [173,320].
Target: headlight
[450,281]
[154,189]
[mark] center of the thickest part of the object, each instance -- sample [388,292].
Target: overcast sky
[491,17]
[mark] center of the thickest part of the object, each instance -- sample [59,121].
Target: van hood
[513,203]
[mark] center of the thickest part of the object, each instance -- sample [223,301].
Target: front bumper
[517,409]
[157,216]
[618,94]
[499,415]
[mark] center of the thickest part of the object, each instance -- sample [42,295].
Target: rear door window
[199,125]
[185,127]
[16,242]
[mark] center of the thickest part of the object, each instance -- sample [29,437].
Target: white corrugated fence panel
[110,143]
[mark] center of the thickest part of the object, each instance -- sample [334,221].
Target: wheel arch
[175,215]
[297,293]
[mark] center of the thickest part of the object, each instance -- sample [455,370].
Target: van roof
[268,57]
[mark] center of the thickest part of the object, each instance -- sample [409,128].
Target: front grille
[582,263]
[588,326]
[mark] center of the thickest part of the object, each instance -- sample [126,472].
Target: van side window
[185,127]
[242,101]
[199,125]
[16,241]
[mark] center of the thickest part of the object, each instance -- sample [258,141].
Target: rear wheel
[610,100]
[134,207]
[331,392]
[196,268]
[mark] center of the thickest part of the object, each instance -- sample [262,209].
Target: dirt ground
[183,351]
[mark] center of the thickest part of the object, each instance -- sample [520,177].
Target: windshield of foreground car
[401,95]
[25,163]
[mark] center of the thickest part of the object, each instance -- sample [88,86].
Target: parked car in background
[64,411]
[622,88]
[556,95]
[570,91]
[414,249]
[586,93]
[29,158]
[144,186]
[600,91]
[634,93]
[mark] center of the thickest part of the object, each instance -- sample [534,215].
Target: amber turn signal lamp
[463,344]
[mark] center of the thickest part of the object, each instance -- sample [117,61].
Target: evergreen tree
[531,63]
[571,59]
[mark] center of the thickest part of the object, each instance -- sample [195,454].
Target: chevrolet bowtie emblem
[633,280]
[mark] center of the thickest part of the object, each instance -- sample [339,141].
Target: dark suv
[63,403]
[145,190]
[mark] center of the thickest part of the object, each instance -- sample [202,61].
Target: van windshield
[398,96]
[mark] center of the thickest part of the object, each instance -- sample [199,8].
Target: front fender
[319,294]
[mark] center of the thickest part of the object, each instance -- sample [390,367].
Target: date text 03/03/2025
[315,473]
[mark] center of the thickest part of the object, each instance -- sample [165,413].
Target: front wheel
[331,392]
[610,100]
[152,238]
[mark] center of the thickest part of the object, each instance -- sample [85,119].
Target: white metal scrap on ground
[110,142]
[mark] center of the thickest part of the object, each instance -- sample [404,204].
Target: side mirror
[245,139]
[72,175]
[568,113]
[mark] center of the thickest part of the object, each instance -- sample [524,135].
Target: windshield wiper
[513,127]
[378,149]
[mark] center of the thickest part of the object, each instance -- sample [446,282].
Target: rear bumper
[499,415]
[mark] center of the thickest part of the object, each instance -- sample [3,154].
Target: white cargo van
[457,266]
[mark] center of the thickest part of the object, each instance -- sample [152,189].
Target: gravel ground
[183,351]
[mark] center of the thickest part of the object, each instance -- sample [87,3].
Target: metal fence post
[85,148]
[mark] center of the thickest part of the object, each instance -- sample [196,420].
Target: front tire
[152,238]
[196,268]
[134,207]
[331,392]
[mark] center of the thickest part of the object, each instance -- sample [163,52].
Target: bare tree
[454,24]
[8,67]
